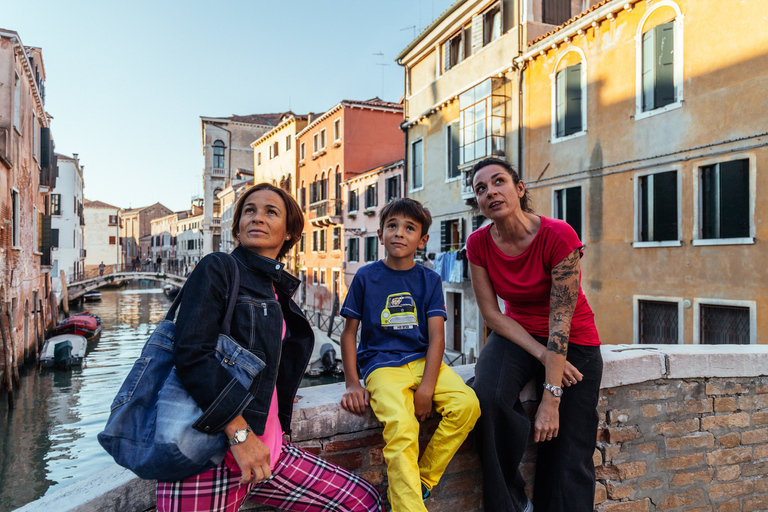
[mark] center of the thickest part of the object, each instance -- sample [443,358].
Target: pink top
[525,281]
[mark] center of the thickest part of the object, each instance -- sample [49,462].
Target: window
[315,279]
[392,188]
[112,239]
[453,144]
[17,103]
[417,165]
[568,94]
[303,243]
[336,239]
[371,248]
[321,237]
[371,196]
[318,141]
[492,24]
[315,240]
[724,322]
[337,130]
[258,158]
[352,201]
[451,235]
[724,209]
[303,197]
[353,250]
[567,206]
[657,207]
[556,12]
[322,273]
[16,205]
[482,121]
[55,204]
[455,48]
[274,150]
[218,155]
[113,220]
[658,322]
[55,238]
[287,142]
[302,153]
[318,191]
[658,67]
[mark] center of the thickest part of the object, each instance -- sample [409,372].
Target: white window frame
[337,123]
[302,152]
[553,92]
[583,205]
[697,200]
[357,256]
[751,304]
[636,192]
[457,123]
[410,165]
[679,56]
[636,315]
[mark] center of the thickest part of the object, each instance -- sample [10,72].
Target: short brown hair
[294,218]
[407,207]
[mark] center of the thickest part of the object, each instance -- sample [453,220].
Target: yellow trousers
[391,392]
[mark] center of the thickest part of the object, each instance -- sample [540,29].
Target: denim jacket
[256,325]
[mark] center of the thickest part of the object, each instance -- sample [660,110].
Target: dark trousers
[565,472]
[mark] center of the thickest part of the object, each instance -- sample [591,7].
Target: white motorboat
[92,296]
[63,351]
[326,356]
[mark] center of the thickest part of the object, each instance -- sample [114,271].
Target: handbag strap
[234,289]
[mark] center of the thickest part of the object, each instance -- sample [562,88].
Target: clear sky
[127,81]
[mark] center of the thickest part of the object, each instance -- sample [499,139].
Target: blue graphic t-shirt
[393,307]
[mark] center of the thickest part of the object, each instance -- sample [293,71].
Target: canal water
[49,439]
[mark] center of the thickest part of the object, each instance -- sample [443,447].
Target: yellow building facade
[644,127]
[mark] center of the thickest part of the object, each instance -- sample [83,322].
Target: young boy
[401,308]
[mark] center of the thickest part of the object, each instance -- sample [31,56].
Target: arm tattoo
[562,302]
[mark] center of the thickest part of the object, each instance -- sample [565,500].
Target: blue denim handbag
[149,429]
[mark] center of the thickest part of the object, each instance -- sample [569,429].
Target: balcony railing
[215,221]
[325,212]
[218,172]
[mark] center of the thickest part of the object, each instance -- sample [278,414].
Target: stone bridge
[77,289]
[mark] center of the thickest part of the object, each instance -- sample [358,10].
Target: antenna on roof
[412,27]
[382,64]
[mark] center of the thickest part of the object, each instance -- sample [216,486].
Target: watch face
[241,436]
[557,391]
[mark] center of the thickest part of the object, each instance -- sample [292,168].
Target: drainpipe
[520,68]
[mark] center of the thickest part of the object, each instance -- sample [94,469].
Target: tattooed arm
[562,303]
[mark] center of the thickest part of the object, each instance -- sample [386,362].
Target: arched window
[569,94]
[218,154]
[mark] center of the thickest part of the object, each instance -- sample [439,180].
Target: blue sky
[128,81]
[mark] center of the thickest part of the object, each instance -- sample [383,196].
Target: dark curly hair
[526,204]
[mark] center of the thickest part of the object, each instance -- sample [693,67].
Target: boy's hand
[422,403]
[355,399]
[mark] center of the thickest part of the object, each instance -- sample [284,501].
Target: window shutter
[644,208]
[375,193]
[443,235]
[462,237]
[709,202]
[477,33]
[573,209]
[734,199]
[397,186]
[649,71]
[573,100]
[54,238]
[665,206]
[477,221]
[447,55]
[560,101]
[664,94]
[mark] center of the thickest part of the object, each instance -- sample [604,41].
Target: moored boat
[170,291]
[63,351]
[325,359]
[83,324]
[92,296]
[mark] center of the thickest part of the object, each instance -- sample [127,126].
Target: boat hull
[63,351]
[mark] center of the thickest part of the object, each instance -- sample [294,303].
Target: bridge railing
[172,268]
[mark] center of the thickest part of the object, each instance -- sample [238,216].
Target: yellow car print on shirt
[399,312]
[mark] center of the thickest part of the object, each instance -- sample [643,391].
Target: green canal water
[49,440]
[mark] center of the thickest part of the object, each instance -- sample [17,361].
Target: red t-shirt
[524,281]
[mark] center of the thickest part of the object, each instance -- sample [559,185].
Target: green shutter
[664,93]
[443,236]
[649,69]
[734,199]
[573,100]
[665,206]
[560,86]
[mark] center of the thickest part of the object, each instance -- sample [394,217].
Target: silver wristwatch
[555,390]
[240,436]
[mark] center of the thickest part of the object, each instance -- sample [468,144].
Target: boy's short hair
[407,207]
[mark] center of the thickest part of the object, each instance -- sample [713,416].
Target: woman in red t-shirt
[546,332]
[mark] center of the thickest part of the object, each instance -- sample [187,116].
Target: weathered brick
[457,485]
[725,387]
[629,506]
[681,462]
[463,462]
[375,456]
[760,418]
[729,456]
[351,444]
[761,485]
[376,477]
[736,420]
[618,416]
[755,436]
[696,440]
[693,498]
[651,411]
[731,490]
[761,452]
[632,470]
[597,458]
[648,448]
[600,493]
[700,406]
[730,506]
[677,427]
[652,484]
[754,469]
[622,434]
[617,491]
[730,440]
[466,502]
[662,392]
[349,460]
[759,503]
[610,452]
[728,473]
[726,404]
[752,403]
[607,472]
[704,477]
[761,386]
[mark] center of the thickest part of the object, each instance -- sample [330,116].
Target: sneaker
[528,506]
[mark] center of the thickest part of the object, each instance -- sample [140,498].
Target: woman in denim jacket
[259,465]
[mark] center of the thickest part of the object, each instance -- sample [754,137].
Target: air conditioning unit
[363,230]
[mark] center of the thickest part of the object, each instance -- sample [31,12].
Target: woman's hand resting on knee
[547,423]
[254,460]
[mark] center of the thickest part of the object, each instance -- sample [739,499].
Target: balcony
[325,212]
[467,193]
[217,172]
[216,221]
